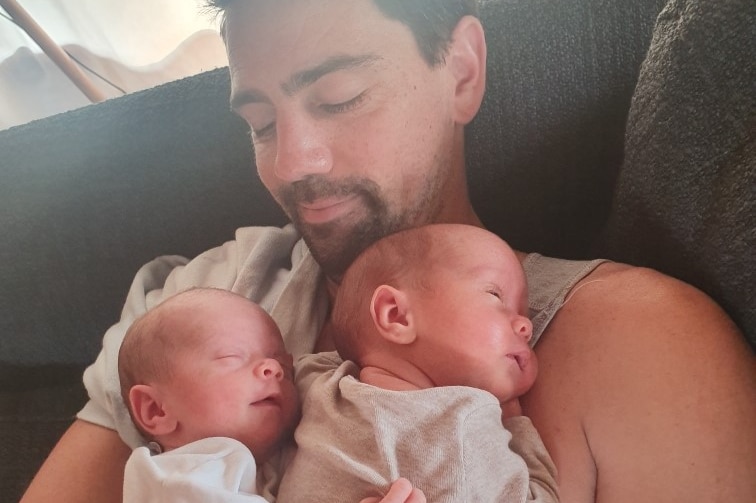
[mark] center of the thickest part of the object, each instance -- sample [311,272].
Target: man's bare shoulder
[616,275]
[626,297]
[644,377]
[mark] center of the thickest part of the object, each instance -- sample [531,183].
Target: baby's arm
[527,443]
[401,491]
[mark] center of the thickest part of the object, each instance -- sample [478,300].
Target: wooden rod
[53,50]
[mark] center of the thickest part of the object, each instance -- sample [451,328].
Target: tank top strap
[549,282]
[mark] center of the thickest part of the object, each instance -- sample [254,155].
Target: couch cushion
[88,196]
[686,195]
[37,404]
[545,149]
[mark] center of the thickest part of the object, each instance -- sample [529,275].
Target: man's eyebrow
[302,79]
[241,98]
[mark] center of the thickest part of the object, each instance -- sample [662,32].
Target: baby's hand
[401,491]
[511,408]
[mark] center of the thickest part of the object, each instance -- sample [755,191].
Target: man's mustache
[316,187]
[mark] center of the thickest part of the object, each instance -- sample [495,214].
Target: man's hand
[401,491]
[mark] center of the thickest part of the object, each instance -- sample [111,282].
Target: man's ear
[390,309]
[467,61]
[148,411]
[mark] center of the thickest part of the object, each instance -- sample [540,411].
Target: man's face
[353,132]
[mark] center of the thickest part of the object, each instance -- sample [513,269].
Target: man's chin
[326,243]
[335,245]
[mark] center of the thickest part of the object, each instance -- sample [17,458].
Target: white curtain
[133,44]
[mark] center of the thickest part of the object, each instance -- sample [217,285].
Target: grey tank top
[549,281]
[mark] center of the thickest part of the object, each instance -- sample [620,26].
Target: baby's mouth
[272,399]
[521,359]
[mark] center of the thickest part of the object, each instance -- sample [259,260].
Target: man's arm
[645,393]
[87,463]
[85,466]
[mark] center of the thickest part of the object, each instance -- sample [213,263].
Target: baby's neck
[381,378]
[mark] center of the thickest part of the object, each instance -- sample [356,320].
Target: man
[358,125]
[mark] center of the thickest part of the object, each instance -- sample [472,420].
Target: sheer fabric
[132,44]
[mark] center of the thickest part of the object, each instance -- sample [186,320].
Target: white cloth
[211,470]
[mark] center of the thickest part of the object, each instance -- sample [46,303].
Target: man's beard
[336,244]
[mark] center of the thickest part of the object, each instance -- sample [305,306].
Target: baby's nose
[270,368]
[523,327]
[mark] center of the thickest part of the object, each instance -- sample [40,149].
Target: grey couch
[583,148]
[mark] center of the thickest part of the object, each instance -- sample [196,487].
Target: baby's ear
[148,411]
[392,316]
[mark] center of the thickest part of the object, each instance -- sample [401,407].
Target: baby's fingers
[416,496]
[401,491]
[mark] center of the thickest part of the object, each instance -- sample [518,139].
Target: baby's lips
[521,357]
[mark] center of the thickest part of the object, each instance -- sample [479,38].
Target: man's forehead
[270,16]
[293,28]
[288,47]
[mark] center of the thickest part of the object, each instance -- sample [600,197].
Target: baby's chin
[527,380]
[517,387]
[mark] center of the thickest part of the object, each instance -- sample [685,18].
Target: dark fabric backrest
[544,152]
[88,196]
[686,196]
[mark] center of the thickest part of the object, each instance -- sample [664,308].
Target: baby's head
[209,363]
[450,299]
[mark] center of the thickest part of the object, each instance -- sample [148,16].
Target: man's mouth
[326,209]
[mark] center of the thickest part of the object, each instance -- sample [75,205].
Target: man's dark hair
[431,21]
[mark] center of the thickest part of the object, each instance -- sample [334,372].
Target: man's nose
[302,149]
[269,368]
[522,326]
